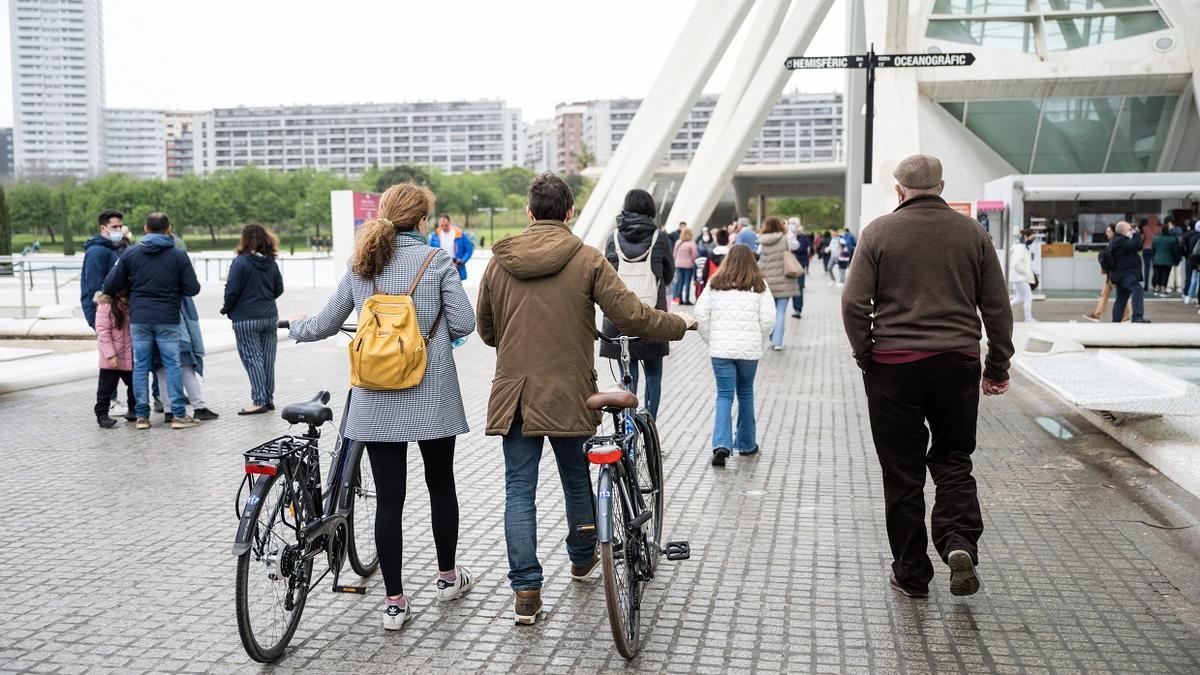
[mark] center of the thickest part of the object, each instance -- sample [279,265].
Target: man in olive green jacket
[537,307]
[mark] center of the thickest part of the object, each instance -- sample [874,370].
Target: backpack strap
[413,289]
[621,251]
[421,272]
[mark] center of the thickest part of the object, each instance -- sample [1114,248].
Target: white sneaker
[841,284]
[394,616]
[777,348]
[451,590]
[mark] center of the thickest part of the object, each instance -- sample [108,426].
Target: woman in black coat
[253,284]
[635,229]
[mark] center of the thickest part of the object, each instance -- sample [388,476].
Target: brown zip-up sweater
[921,278]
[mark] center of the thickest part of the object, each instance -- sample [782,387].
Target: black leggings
[389,463]
[106,389]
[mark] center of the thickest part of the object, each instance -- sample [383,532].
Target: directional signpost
[870,61]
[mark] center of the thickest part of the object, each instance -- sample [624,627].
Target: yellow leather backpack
[387,351]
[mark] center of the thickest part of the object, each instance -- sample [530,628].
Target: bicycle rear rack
[275,449]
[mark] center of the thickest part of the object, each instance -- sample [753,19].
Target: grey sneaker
[907,592]
[963,580]
[186,422]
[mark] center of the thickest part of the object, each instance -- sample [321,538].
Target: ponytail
[374,248]
[401,209]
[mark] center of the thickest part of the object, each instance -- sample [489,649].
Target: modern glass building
[1074,114]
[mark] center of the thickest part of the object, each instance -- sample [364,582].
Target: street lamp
[491,211]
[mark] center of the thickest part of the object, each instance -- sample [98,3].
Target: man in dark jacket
[158,276]
[1126,272]
[536,306]
[100,253]
[915,332]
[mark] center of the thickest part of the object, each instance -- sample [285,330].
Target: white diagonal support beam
[768,15]
[691,62]
[717,158]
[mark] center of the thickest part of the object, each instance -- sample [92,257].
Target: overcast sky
[200,54]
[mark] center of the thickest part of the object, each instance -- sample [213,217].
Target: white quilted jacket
[734,323]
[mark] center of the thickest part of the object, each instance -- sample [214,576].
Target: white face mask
[116,237]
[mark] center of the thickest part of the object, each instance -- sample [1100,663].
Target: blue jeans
[798,300]
[683,283]
[734,376]
[781,305]
[653,382]
[521,458]
[1194,284]
[1127,285]
[166,337]
[1147,266]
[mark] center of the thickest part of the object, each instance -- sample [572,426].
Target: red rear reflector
[607,455]
[264,469]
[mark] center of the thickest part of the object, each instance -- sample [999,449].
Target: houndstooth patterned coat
[433,408]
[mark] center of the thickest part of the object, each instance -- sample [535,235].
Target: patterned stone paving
[117,555]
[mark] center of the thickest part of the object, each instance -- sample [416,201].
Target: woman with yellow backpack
[411,306]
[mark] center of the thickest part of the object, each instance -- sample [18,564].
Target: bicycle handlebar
[618,339]
[346,327]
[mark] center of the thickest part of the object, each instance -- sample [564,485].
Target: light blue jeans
[735,377]
[1194,286]
[166,337]
[781,307]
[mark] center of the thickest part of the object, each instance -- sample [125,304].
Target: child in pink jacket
[114,338]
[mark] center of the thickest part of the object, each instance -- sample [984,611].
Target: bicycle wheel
[622,590]
[648,471]
[272,582]
[363,553]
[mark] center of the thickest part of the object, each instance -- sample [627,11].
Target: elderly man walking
[915,332]
[536,306]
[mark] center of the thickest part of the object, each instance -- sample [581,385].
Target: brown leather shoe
[527,607]
[582,572]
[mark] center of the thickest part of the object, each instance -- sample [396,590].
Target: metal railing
[25,270]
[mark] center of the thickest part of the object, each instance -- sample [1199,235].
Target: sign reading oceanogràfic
[869,62]
[880,61]
[811,62]
[923,60]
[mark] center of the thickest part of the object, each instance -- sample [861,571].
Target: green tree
[32,208]
[814,212]
[65,223]
[5,236]
[405,172]
[513,180]
[585,157]
[314,210]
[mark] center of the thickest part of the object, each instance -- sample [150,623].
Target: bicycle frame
[624,436]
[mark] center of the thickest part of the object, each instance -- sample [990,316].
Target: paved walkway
[118,542]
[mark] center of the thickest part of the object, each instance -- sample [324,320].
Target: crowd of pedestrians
[537,300]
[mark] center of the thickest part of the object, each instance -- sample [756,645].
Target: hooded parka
[536,306]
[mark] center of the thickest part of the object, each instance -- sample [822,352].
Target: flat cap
[919,172]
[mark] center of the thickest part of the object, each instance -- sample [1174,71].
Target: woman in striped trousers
[253,284]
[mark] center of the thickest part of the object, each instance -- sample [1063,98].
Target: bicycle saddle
[605,400]
[313,411]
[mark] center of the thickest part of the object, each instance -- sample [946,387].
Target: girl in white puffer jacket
[735,313]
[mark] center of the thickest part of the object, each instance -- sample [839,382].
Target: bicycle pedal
[356,590]
[678,550]
[587,533]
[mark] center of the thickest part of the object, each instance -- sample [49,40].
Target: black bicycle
[629,505]
[290,518]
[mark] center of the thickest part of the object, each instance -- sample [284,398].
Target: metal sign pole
[869,135]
